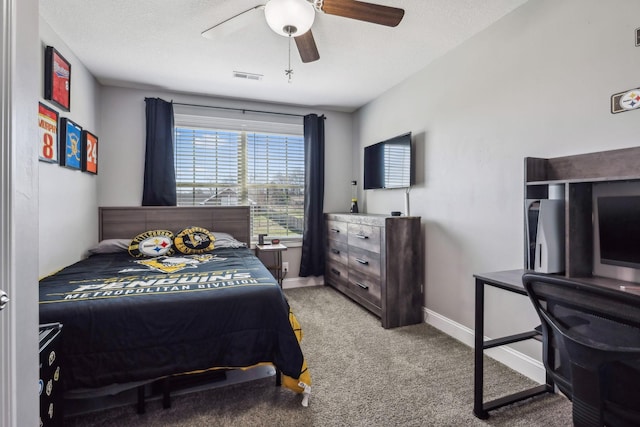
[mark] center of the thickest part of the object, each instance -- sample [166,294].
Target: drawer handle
[362,261]
[334,271]
[335,251]
[335,230]
[362,285]
[361,236]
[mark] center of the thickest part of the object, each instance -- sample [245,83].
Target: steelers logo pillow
[152,244]
[194,240]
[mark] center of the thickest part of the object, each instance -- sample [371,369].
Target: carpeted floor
[363,375]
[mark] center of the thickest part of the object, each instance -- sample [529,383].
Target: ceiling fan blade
[369,12]
[232,24]
[307,47]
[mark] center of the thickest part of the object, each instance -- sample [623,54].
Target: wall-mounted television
[389,164]
[619,230]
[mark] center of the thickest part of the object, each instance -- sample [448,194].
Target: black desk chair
[594,338]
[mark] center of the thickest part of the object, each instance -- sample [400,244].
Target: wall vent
[247,76]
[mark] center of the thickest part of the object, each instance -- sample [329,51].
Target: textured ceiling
[158,44]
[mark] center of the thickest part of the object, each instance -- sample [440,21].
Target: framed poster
[57,78]
[89,152]
[48,125]
[70,144]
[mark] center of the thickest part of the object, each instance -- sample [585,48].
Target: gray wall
[68,198]
[537,83]
[122,147]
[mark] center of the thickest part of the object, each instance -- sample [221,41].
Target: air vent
[247,76]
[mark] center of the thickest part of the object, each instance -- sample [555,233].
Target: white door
[5,342]
[19,95]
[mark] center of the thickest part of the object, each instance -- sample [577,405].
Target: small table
[276,269]
[510,281]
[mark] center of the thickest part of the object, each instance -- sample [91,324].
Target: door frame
[19,87]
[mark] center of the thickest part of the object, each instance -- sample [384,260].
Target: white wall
[122,148]
[68,198]
[537,83]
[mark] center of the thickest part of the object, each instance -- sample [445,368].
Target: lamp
[289,17]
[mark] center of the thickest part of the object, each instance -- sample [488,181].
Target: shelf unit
[575,176]
[572,178]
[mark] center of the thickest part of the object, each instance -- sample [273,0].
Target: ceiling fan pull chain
[289,71]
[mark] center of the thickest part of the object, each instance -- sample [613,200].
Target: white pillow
[225,240]
[110,246]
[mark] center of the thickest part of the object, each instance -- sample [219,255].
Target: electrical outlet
[285,267]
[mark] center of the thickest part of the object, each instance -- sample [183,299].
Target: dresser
[377,261]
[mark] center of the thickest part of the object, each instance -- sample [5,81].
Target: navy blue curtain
[312,262]
[159,171]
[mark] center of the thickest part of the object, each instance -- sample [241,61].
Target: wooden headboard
[128,222]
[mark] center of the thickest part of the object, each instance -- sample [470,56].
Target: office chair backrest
[594,335]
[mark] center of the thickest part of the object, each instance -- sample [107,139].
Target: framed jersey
[70,144]
[48,126]
[89,152]
[57,78]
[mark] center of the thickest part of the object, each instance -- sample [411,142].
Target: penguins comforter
[127,319]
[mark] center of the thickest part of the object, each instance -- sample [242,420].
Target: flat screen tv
[389,164]
[619,230]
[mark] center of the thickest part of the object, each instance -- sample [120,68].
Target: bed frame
[128,222]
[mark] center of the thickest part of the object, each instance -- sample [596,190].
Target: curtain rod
[243,110]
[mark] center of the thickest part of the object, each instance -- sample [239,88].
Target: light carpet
[363,375]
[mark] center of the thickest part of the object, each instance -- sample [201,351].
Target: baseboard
[301,282]
[515,360]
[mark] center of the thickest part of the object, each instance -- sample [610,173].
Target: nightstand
[276,268]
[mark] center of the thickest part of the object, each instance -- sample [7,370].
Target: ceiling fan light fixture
[289,17]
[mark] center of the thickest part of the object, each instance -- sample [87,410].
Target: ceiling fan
[294,18]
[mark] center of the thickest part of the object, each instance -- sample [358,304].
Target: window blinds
[235,161]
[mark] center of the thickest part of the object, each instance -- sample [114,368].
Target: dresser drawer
[364,261]
[365,286]
[337,251]
[337,230]
[364,237]
[336,273]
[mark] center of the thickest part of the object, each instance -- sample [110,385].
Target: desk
[510,281]
[276,268]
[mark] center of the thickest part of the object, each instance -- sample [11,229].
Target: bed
[131,319]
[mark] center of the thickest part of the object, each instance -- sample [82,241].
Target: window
[265,170]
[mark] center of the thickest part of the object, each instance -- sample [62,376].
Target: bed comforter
[126,319]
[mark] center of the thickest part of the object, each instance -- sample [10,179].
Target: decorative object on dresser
[376,260]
